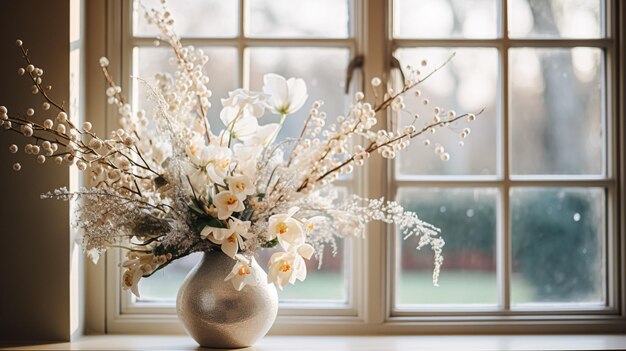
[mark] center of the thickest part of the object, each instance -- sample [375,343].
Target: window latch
[395,64]
[355,63]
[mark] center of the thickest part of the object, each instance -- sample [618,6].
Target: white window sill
[357,343]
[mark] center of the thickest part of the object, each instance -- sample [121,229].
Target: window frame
[503,181]
[373,279]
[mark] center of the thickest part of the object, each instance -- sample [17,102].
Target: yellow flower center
[284,266]
[310,226]
[232,238]
[192,150]
[240,186]
[232,200]
[282,228]
[244,271]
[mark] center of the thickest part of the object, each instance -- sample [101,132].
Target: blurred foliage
[557,255]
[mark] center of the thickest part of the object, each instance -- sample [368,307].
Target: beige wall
[34,234]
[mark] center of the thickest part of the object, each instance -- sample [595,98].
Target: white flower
[286,95]
[246,158]
[130,280]
[241,274]
[211,161]
[289,230]
[241,186]
[231,239]
[218,166]
[137,265]
[240,125]
[263,135]
[251,103]
[286,267]
[309,224]
[226,203]
[240,112]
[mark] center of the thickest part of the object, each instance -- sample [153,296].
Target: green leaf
[210,221]
[270,244]
[196,209]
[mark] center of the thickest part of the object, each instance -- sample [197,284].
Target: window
[524,204]
[528,203]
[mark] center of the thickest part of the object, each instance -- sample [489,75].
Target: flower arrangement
[164,185]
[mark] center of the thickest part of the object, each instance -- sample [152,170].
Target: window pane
[445,19]
[163,285]
[327,284]
[555,18]
[297,19]
[467,219]
[558,244]
[221,69]
[323,70]
[192,18]
[556,111]
[467,84]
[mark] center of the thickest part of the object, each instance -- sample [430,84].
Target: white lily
[226,203]
[241,186]
[289,230]
[242,273]
[286,267]
[231,239]
[286,95]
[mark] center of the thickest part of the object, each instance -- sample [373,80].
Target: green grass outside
[455,287]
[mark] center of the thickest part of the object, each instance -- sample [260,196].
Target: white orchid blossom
[219,163]
[231,239]
[241,186]
[137,265]
[286,95]
[287,229]
[286,267]
[130,280]
[226,203]
[242,273]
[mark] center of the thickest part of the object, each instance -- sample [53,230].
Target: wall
[35,241]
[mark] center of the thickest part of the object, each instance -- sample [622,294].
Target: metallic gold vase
[218,316]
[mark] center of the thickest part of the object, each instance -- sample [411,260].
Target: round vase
[215,314]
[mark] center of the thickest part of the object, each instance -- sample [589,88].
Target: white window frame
[372,278]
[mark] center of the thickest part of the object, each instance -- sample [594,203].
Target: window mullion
[504,230]
[242,65]
[375,38]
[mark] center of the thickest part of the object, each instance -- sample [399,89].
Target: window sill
[346,343]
